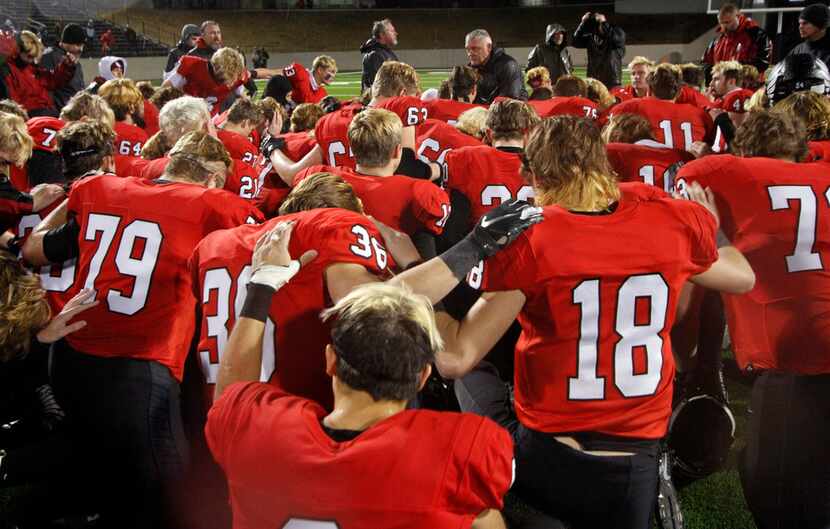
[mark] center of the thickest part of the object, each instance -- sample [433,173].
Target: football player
[639,67]
[119,376]
[309,86]
[569,98]
[212,80]
[596,297]
[125,100]
[636,156]
[462,84]
[675,125]
[690,93]
[776,210]
[728,96]
[436,138]
[244,117]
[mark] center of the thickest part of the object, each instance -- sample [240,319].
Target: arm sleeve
[727,128]
[431,206]
[410,165]
[425,244]
[762,50]
[533,58]
[371,65]
[581,36]
[704,247]
[458,224]
[61,243]
[172,59]
[500,270]
[616,36]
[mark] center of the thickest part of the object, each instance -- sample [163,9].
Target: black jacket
[50,60]
[555,58]
[606,50]
[819,49]
[500,76]
[175,54]
[374,55]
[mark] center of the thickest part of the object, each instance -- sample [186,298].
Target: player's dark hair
[510,119]
[244,109]
[692,74]
[164,95]
[146,88]
[771,134]
[664,82]
[543,93]
[463,81]
[444,90]
[570,86]
[83,145]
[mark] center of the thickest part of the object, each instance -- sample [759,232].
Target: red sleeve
[703,226]
[410,109]
[700,171]
[229,211]
[186,65]
[151,118]
[77,194]
[430,205]
[269,200]
[499,271]
[483,467]
[353,238]
[298,77]
[13,204]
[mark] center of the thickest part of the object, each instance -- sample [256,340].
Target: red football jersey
[819,151]
[595,354]
[135,238]
[410,109]
[735,100]
[416,469]
[778,214]
[295,335]
[19,177]
[565,106]
[487,177]
[298,144]
[624,93]
[403,203]
[194,76]
[648,162]
[689,95]
[447,109]
[44,132]
[435,138]
[151,118]
[675,125]
[238,146]
[129,139]
[304,88]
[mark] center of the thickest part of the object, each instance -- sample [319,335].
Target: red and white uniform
[778,214]
[298,144]
[151,118]
[304,88]
[44,132]
[403,203]
[435,138]
[734,100]
[689,95]
[595,353]
[486,177]
[447,109]
[238,146]
[129,139]
[195,76]
[647,161]
[565,106]
[625,93]
[413,470]
[675,125]
[295,337]
[135,238]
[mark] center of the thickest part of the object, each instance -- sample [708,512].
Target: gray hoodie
[555,58]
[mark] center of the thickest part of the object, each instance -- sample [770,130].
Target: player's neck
[817,36]
[231,127]
[386,170]
[509,143]
[377,100]
[357,410]
[128,119]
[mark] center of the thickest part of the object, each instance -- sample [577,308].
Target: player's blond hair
[771,134]
[758,101]
[190,154]
[13,107]
[23,308]
[31,44]
[228,65]
[373,136]
[473,122]
[539,74]
[305,117]
[321,190]
[510,119]
[243,109]
[812,109]
[122,96]
[750,77]
[324,61]
[399,325]
[14,139]
[627,128]
[639,60]
[177,118]
[598,93]
[270,107]
[85,105]
[570,168]
[730,70]
[394,78]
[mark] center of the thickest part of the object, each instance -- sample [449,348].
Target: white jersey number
[668,141]
[500,192]
[804,257]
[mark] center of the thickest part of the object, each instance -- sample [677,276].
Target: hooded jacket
[175,54]
[749,44]
[499,76]
[605,44]
[52,57]
[374,55]
[555,58]
[105,72]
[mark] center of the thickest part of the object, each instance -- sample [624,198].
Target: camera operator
[606,47]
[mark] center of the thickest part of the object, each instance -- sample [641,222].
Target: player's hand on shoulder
[699,149]
[272,263]
[704,197]
[398,244]
[60,326]
[45,194]
[501,225]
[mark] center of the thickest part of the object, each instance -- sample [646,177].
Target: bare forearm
[731,273]
[33,251]
[243,354]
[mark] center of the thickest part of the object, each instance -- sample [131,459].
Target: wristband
[462,257]
[257,302]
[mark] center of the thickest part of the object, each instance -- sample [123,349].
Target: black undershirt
[340,436]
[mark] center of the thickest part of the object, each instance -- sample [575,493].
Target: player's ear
[331,361]
[424,376]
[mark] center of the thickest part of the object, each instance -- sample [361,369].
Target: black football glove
[270,144]
[493,232]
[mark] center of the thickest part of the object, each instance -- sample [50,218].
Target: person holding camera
[606,47]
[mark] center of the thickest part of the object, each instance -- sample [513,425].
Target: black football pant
[582,490]
[785,467]
[126,417]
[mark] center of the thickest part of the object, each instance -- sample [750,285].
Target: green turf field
[347,84]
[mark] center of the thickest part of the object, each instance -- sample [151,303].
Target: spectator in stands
[90,32]
[28,83]
[72,41]
[107,41]
[209,42]
[377,50]
[500,74]
[739,39]
[109,67]
[552,54]
[188,41]
[605,44]
[812,26]
[9,26]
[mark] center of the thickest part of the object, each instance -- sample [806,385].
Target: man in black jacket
[606,47]
[189,34]
[499,73]
[812,26]
[377,50]
[72,41]
[552,54]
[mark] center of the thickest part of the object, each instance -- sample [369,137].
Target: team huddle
[290,311]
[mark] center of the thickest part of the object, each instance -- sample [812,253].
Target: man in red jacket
[739,39]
